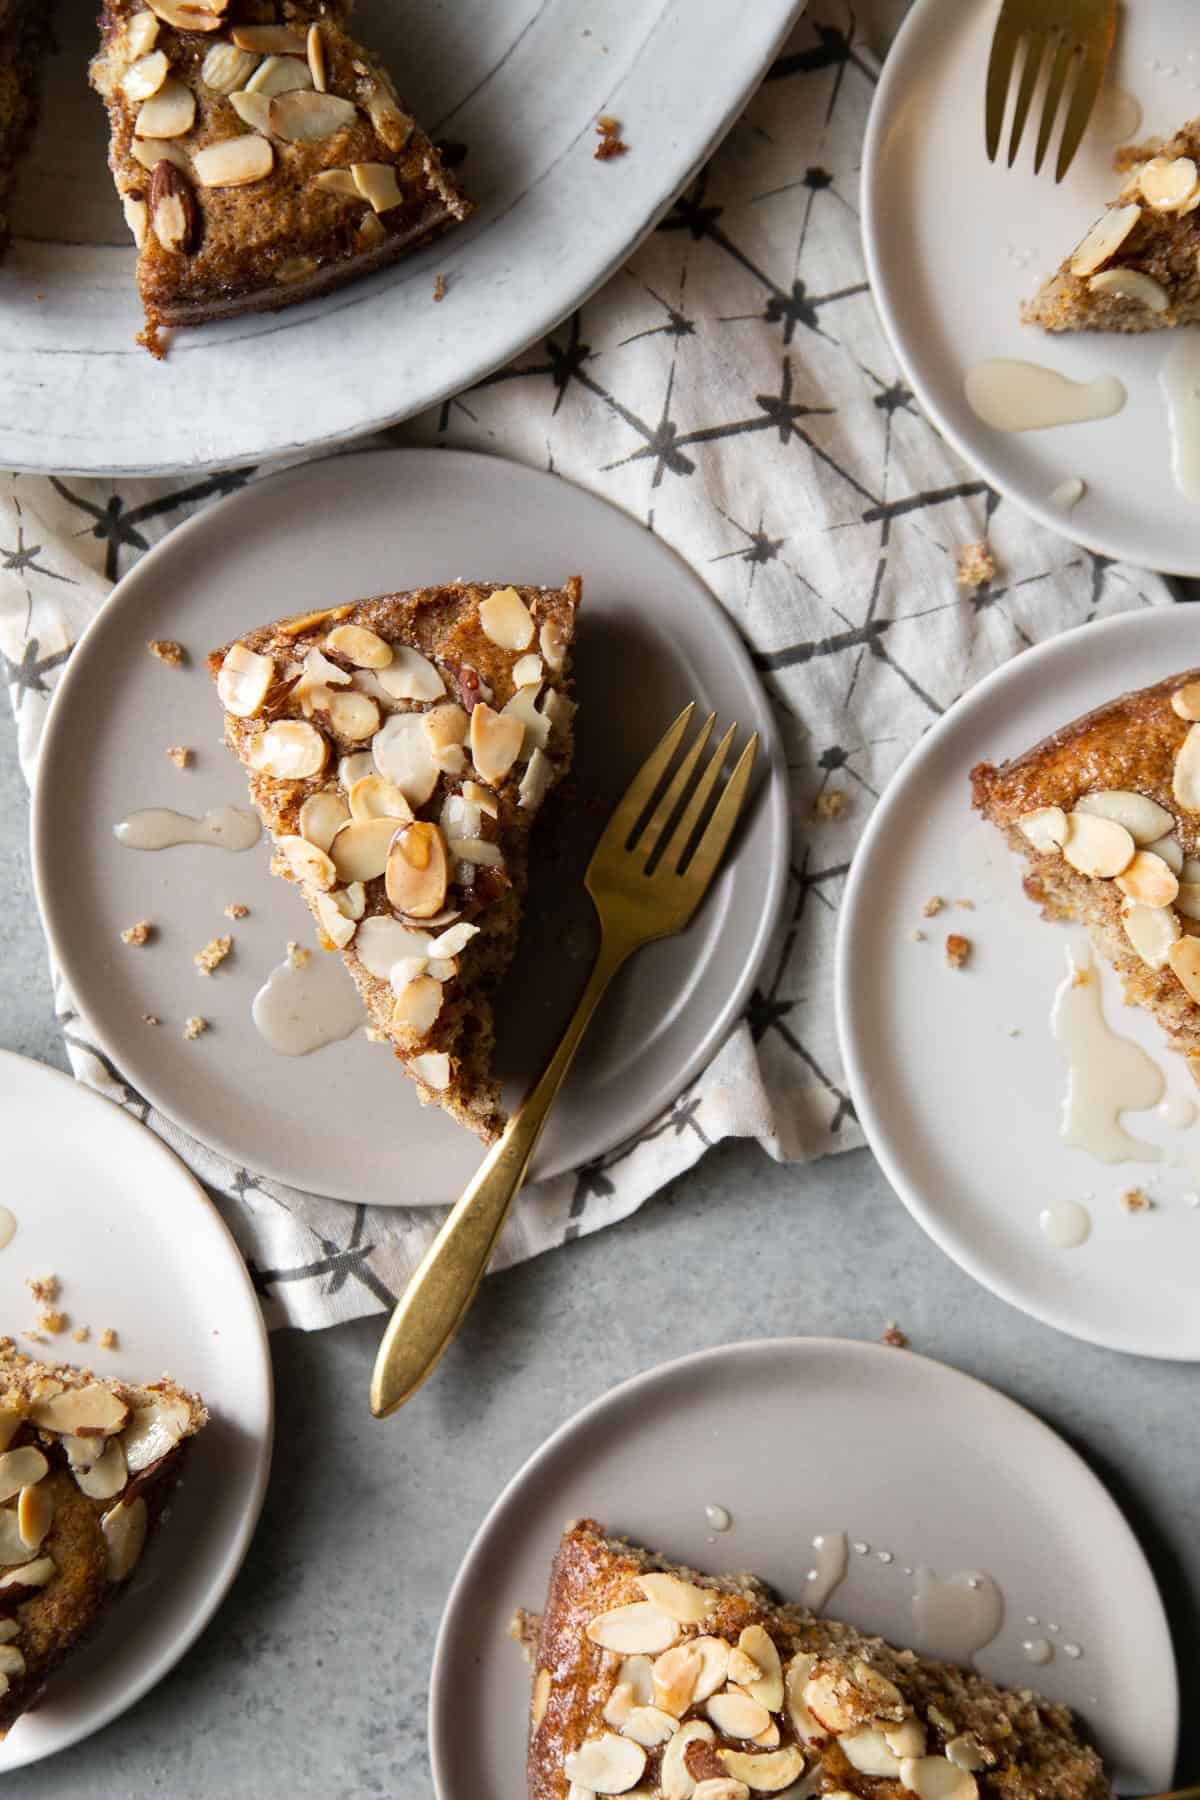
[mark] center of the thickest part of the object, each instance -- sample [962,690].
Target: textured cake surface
[262,157]
[85,1467]
[664,1682]
[1131,758]
[398,750]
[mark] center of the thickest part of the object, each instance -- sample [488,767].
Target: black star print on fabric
[26,676]
[119,529]
[23,559]
[338,1263]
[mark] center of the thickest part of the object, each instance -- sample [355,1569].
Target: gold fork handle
[439,1295]
[1184,1793]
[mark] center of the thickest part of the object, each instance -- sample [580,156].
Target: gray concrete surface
[312,1679]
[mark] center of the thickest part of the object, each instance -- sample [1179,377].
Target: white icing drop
[1012,395]
[159,828]
[301,1009]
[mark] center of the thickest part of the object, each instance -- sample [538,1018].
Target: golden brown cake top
[657,1679]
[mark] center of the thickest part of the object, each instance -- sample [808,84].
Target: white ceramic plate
[137,1246]
[650,637]
[1021,1507]
[954,244]
[521,82]
[962,1113]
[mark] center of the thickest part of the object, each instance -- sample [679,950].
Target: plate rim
[560,307]
[976,455]
[238,1546]
[854,906]
[771,793]
[797,1347]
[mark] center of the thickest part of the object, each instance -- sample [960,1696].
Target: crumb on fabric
[235,910]
[932,906]
[108,1339]
[1136,1200]
[138,934]
[976,565]
[894,1337]
[611,142]
[168,651]
[44,1288]
[180,755]
[194,1026]
[298,957]
[958,948]
[439,288]
[213,954]
[830,805]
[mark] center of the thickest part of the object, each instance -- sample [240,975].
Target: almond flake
[225,69]
[190,15]
[1143,819]
[676,1675]
[1167,183]
[152,151]
[411,676]
[766,1772]
[141,34]
[382,941]
[89,1411]
[506,619]
[374,797]
[637,1629]
[377,184]
[156,1427]
[365,649]
[527,671]
[288,751]
[144,77]
[243,681]
[338,181]
[552,643]
[1105,239]
[321,817]
[1131,284]
[933,1778]
[310,864]
[253,110]
[1185,701]
[169,113]
[106,1476]
[1184,958]
[338,926]
[235,162]
[1148,880]
[757,1646]
[417,871]
[1185,783]
[303,116]
[137,217]
[1097,846]
[495,742]
[359,850]
[433,1068]
[680,1600]
[34,1574]
[417,1006]
[737,1715]
[20,1468]
[269,40]
[867,1751]
[675,1778]
[277,75]
[124,1529]
[403,754]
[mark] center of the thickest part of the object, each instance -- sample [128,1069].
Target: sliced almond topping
[527,671]
[523,706]
[382,941]
[1148,880]
[541,1696]
[269,40]
[190,15]
[680,1600]
[433,1068]
[675,1778]
[352,768]
[107,1475]
[481,797]
[288,751]
[12,1662]
[1185,783]
[156,1427]
[648,1725]
[1105,238]
[360,848]
[446,728]
[318,672]
[13,1413]
[1187,901]
[235,162]
[151,151]
[411,676]
[620,1702]
[403,754]
[141,33]
[721,1787]
[535,782]
[417,874]
[477,851]
[1142,818]
[758,1647]
[169,113]
[1167,182]
[637,1673]
[91,1411]
[365,649]
[867,1751]
[495,742]
[453,941]
[638,1629]
[674,1678]
[769,1739]
[374,797]
[1131,284]
[1152,931]
[506,619]
[137,217]
[1171,851]
[338,926]
[305,115]
[307,862]
[22,1467]
[338,181]
[13,1548]
[933,1778]
[280,75]
[124,1528]
[607,1764]
[35,1510]
[737,1715]
[1184,958]
[351,715]
[766,1772]
[1046,828]
[1097,846]
[553,644]
[384,111]
[1186,700]
[377,184]
[321,817]
[831,1702]
[315,46]
[714,1654]
[372,232]
[145,76]
[417,1006]
[253,110]
[226,68]
[905,1739]
[34,1574]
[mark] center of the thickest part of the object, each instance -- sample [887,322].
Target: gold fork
[1059,33]
[638,897]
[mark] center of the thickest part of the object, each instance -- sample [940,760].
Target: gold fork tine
[1087,86]
[640,792]
[647,842]
[682,833]
[1000,68]
[1059,69]
[711,847]
[1035,50]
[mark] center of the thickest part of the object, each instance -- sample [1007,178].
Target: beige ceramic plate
[344,1121]
[1019,1506]
[137,1246]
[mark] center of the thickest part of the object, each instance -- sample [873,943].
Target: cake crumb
[213,954]
[439,288]
[168,651]
[830,805]
[932,906]
[917,935]
[967,905]
[35,1337]
[1081,976]
[108,1339]
[138,934]
[44,1288]
[52,1320]
[151,1019]
[894,1337]
[235,910]
[611,142]
[194,1026]
[1136,1200]
[375,1036]
[81,1334]
[958,948]
[976,564]
[298,957]
[180,755]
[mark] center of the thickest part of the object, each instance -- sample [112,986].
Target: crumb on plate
[168,651]
[932,906]
[213,954]
[138,934]
[235,910]
[894,1337]
[194,1026]
[958,948]
[108,1339]
[298,957]
[1136,1200]
[180,755]
[81,1334]
[439,288]
[44,1288]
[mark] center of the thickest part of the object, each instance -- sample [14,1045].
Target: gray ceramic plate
[344,1121]
[520,82]
[993,1490]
